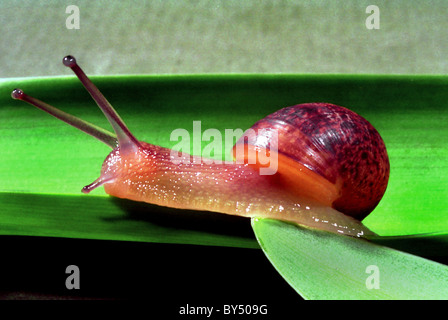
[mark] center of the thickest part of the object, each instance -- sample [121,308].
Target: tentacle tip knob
[17,94]
[86,189]
[69,61]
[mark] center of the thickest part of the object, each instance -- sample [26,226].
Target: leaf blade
[320,265]
[403,108]
[107,218]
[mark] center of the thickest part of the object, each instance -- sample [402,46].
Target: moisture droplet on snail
[332,167]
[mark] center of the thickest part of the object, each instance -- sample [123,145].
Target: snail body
[332,167]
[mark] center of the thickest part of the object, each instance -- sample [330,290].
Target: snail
[332,166]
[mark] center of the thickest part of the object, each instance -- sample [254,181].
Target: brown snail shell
[335,143]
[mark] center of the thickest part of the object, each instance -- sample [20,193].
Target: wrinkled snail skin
[332,167]
[230,188]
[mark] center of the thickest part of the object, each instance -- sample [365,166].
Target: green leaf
[322,265]
[103,218]
[433,246]
[45,163]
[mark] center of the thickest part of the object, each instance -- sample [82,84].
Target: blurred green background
[224,36]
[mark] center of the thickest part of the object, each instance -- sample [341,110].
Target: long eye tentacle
[97,183]
[126,140]
[101,134]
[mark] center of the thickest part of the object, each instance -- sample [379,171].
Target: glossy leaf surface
[45,163]
[321,265]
